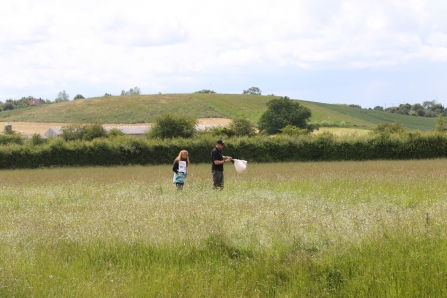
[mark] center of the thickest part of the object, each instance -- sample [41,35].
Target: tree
[168,126]
[206,91]
[282,112]
[132,91]
[7,106]
[441,123]
[252,91]
[62,96]
[79,96]
[242,126]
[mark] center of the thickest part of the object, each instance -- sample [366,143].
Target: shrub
[37,140]
[11,138]
[93,131]
[88,132]
[72,132]
[79,96]
[215,131]
[242,126]
[168,126]
[115,132]
[441,123]
[291,130]
[389,128]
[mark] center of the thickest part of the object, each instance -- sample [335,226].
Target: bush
[11,138]
[115,132]
[72,132]
[215,131]
[168,126]
[441,123]
[37,140]
[88,132]
[291,130]
[389,128]
[242,126]
[79,96]
[93,131]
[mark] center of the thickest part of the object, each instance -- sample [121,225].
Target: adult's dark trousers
[218,179]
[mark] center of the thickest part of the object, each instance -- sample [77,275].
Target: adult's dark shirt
[216,154]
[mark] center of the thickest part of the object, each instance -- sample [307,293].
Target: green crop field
[340,229]
[131,109]
[371,118]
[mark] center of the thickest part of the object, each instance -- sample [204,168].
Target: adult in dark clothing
[217,162]
[180,168]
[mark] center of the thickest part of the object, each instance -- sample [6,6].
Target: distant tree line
[24,102]
[206,91]
[428,108]
[132,91]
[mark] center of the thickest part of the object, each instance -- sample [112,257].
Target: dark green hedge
[129,151]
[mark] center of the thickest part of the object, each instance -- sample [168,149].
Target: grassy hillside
[370,118]
[145,108]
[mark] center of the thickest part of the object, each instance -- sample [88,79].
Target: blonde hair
[180,157]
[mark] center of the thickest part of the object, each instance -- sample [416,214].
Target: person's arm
[175,166]
[221,162]
[217,161]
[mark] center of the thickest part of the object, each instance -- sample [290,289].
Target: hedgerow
[125,150]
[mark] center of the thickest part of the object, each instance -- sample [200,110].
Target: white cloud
[50,45]
[438,39]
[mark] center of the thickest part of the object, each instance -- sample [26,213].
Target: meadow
[339,229]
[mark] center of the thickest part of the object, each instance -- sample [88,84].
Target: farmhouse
[35,101]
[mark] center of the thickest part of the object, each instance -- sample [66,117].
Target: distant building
[136,131]
[35,101]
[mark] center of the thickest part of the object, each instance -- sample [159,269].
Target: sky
[369,53]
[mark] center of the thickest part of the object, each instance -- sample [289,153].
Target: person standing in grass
[218,160]
[180,168]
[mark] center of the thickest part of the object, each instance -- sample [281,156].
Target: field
[366,118]
[341,229]
[138,109]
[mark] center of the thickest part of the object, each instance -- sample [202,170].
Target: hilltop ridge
[134,109]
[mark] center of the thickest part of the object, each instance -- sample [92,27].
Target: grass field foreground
[342,229]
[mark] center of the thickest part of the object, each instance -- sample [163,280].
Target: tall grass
[279,230]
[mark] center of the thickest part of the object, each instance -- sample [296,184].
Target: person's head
[220,144]
[183,155]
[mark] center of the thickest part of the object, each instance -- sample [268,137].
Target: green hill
[145,108]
